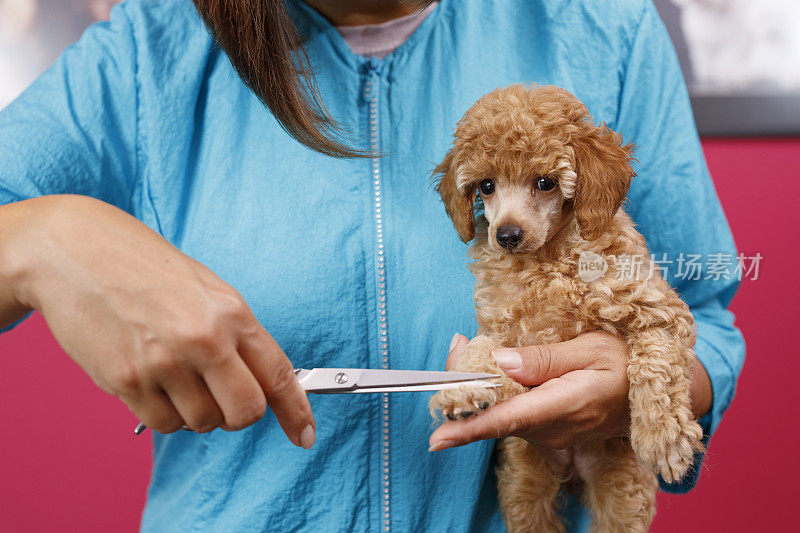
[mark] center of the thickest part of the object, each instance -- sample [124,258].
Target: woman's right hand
[149,324]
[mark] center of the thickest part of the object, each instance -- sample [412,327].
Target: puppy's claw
[461,403]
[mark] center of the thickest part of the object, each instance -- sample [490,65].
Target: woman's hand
[581,394]
[148,324]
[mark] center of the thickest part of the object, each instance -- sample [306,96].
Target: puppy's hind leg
[619,490]
[528,482]
[463,402]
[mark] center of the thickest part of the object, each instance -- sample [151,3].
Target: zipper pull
[374,66]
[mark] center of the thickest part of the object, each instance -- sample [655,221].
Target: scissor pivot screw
[340,378]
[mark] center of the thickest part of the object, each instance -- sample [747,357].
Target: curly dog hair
[539,186]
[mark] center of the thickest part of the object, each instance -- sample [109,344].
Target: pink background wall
[68,461]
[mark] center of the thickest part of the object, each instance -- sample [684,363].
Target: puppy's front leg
[664,433]
[464,402]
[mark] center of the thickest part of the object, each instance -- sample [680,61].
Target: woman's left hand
[581,393]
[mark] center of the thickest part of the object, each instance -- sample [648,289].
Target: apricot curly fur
[537,297]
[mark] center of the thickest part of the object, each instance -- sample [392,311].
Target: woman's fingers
[236,391]
[285,397]
[518,416]
[457,344]
[154,409]
[533,365]
[193,401]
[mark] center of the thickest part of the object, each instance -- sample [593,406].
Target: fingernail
[508,359]
[441,445]
[453,342]
[308,437]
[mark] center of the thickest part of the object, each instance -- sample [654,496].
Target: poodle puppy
[550,184]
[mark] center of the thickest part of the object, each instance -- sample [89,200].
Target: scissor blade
[430,387]
[406,378]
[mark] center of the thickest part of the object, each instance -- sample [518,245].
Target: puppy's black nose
[509,236]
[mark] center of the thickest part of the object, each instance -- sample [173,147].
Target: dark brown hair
[265,49]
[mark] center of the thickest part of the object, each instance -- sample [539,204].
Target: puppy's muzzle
[509,236]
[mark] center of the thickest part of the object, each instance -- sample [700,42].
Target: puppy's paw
[461,403]
[670,451]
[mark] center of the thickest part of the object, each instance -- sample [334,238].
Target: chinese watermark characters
[685,266]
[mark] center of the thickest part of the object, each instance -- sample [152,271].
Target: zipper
[371,94]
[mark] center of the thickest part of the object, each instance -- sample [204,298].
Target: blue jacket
[346,263]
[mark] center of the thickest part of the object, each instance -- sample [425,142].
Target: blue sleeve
[676,208]
[73,131]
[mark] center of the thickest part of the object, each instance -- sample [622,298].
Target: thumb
[457,344]
[533,365]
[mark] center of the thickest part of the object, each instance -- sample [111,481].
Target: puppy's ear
[459,203]
[603,176]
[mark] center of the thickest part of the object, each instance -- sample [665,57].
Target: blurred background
[68,459]
[741,61]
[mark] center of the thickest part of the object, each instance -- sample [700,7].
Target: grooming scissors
[362,380]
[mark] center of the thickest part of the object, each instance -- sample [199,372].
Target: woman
[347,261]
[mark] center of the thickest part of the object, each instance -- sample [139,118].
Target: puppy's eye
[486,187]
[545,184]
